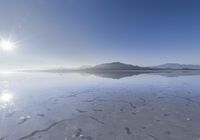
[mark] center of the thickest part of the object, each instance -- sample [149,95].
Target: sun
[7,45]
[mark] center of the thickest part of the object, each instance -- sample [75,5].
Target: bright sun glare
[7,45]
[6,97]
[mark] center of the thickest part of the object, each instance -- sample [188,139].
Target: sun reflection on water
[6,97]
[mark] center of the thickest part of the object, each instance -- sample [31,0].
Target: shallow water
[46,106]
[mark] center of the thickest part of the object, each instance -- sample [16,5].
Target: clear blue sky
[88,32]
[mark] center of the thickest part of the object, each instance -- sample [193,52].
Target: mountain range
[123,66]
[118,66]
[177,66]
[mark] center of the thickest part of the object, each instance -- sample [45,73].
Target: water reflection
[6,99]
[116,75]
[122,74]
[43,105]
[6,96]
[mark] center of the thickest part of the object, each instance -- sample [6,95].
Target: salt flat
[72,106]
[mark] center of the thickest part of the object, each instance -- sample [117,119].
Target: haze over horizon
[71,33]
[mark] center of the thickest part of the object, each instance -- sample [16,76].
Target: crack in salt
[97,120]
[43,130]
[155,138]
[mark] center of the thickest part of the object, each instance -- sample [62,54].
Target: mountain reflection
[168,73]
[116,75]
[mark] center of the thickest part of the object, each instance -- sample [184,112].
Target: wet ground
[45,106]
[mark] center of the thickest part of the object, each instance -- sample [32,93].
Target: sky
[70,33]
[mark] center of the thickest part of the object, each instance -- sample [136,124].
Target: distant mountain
[177,66]
[117,66]
[121,67]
